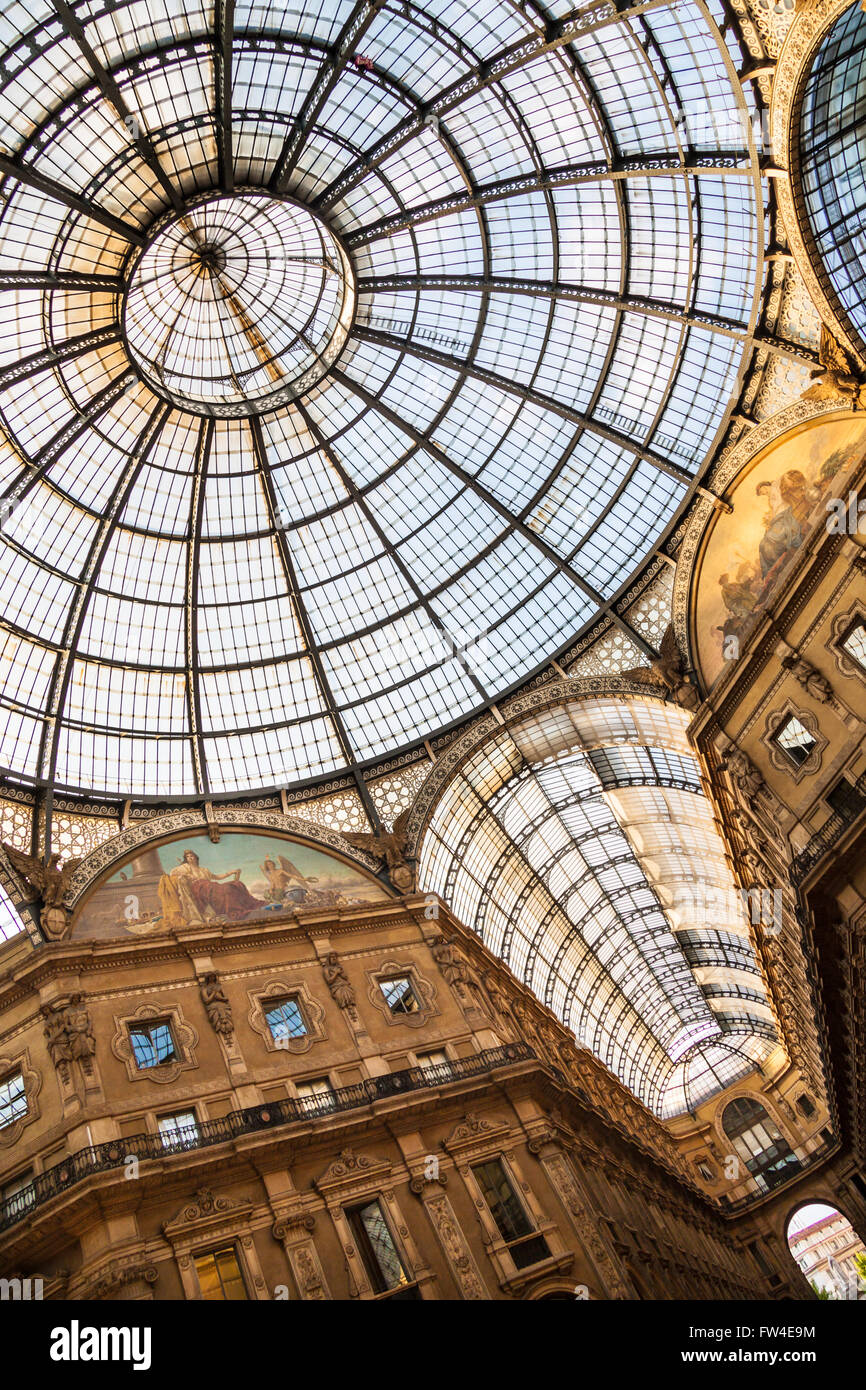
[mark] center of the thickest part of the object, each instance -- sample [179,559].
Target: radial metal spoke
[62,674]
[26,174]
[293,588]
[113,95]
[587,19]
[78,426]
[224,12]
[491,500]
[467,368]
[541,289]
[53,356]
[196,514]
[353,31]
[58,280]
[719,163]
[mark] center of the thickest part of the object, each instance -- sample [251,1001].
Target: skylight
[353,360]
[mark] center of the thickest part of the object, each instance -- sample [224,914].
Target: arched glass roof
[580,846]
[832,134]
[354,357]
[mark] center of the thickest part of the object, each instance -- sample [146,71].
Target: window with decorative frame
[525,1245]
[379,1252]
[286,1016]
[399,995]
[285,1019]
[853,642]
[795,740]
[155,1043]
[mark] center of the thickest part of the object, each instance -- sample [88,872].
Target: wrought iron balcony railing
[825,838]
[99,1158]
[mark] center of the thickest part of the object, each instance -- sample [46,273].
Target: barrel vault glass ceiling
[335,336]
[580,846]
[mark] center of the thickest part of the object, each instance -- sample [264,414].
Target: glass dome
[355,357]
[832,166]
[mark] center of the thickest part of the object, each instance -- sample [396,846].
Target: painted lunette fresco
[780,498]
[244,876]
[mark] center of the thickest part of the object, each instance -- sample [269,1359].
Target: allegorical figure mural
[786,492]
[242,877]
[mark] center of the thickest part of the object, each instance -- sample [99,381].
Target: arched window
[759,1143]
[828,1251]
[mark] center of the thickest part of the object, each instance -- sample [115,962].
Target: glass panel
[285,1020]
[219,1276]
[13,1099]
[152,1045]
[757,1139]
[795,739]
[505,1206]
[399,995]
[376,1242]
[855,644]
[832,126]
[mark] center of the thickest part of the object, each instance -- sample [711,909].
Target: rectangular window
[219,1276]
[284,1018]
[795,740]
[17,1196]
[436,1062]
[13,1099]
[152,1044]
[178,1131]
[399,995]
[316,1095]
[844,799]
[512,1222]
[378,1251]
[854,642]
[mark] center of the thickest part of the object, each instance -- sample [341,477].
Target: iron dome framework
[554,248]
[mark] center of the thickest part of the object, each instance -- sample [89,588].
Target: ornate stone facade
[272,1159]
